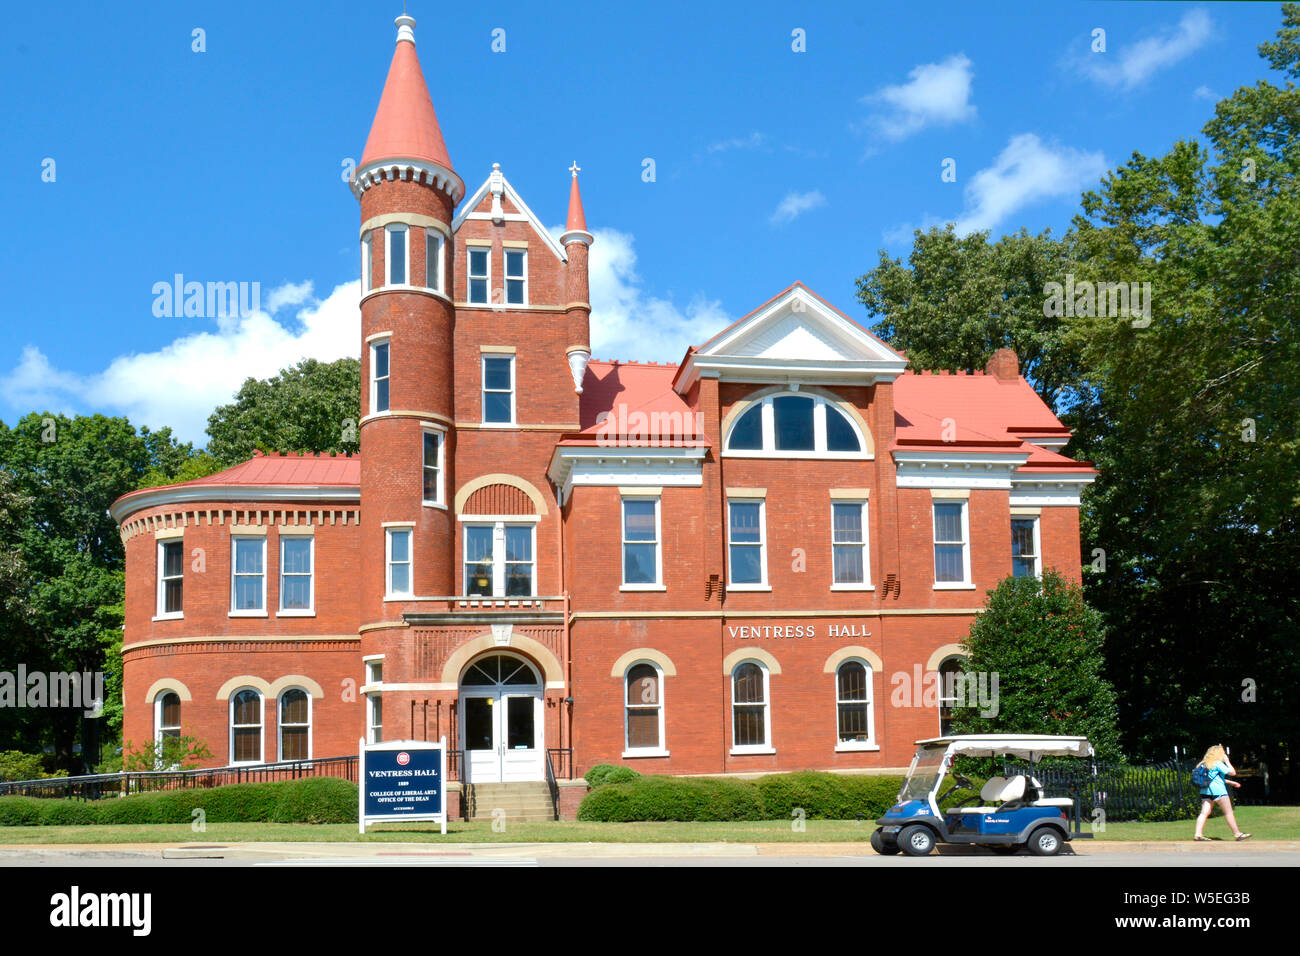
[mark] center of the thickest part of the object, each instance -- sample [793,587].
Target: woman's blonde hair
[1215,754]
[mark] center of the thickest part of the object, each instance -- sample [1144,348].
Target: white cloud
[936,94]
[1026,171]
[1203,92]
[752,141]
[182,382]
[288,294]
[629,323]
[796,204]
[1134,65]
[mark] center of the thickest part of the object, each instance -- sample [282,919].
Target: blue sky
[771,165]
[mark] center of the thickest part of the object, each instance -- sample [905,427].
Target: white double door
[501,734]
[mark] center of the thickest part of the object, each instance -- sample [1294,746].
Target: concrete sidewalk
[1219,849]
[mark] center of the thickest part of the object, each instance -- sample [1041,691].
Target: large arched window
[750,730]
[795,425]
[644,709]
[853,705]
[246,726]
[295,724]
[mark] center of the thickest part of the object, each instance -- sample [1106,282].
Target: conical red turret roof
[577,221]
[405,126]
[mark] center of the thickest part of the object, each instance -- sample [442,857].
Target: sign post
[402,780]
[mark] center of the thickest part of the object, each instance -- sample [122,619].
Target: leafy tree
[1044,643]
[961,298]
[311,407]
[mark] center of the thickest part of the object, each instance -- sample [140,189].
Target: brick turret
[577,242]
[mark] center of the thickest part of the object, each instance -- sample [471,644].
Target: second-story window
[171,577]
[248,575]
[433,468]
[849,543]
[379,376]
[1024,547]
[640,542]
[399,561]
[746,547]
[395,256]
[951,547]
[365,264]
[498,390]
[499,560]
[296,573]
[478,274]
[433,259]
[516,277]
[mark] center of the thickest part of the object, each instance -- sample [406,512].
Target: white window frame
[658,583]
[498,525]
[762,585]
[441,500]
[507,278]
[261,726]
[965,583]
[387,343]
[389,229]
[234,546]
[483,389]
[766,746]
[768,415]
[367,264]
[865,584]
[470,276]
[279,726]
[844,746]
[160,613]
[628,749]
[437,258]
[1038,545]
[158,727]
[310,610]
[389,532]
[372,686]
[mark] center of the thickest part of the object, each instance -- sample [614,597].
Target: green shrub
[316,800]
[673,798]
[62,813]
[16,765]
[604,773]
[20,811]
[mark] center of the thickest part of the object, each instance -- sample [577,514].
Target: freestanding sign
[403,780]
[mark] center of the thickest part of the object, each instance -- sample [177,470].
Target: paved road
[609,856]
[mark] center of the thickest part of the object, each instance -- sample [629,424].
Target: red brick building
[742,563]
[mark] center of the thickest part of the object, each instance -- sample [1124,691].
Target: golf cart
[1014,811]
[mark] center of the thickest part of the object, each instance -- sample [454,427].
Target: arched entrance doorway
[501,720]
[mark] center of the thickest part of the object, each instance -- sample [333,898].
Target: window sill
[749,587]
[169,617]
[295,614]
[742,751]
[856,748]
[953,586]
[631,754]
[247,614]
[498,425]
[853,587]
[435,504]
[643,587]
[805,455]
[399,597]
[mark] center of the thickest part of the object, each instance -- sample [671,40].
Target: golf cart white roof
[1026,746]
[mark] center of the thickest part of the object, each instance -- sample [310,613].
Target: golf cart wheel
[1045,841]
[916,840]
[886,846]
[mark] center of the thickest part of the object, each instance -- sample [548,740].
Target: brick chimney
[1004,365]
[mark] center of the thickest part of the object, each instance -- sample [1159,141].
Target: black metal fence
[1161,791]
[98,786]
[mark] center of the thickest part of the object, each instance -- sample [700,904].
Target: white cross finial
[575,169]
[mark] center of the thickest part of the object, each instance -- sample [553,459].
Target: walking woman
[1216,764]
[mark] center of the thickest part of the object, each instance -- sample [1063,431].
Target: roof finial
[405,27]
[575,169]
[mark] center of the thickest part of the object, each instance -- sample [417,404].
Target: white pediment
[795,337]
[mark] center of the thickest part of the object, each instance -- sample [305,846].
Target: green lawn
[1266,823]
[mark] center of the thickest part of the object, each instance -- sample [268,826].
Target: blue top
[1216,786]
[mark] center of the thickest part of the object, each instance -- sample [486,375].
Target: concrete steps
[520,802]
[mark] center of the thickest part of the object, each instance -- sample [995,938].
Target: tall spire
[575,228]
[405,126]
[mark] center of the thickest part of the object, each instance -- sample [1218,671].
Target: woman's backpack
[1200,776]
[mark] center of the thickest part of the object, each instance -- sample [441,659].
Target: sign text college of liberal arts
[403,780]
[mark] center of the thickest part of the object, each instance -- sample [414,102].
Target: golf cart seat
[999,789]
[1047,801]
